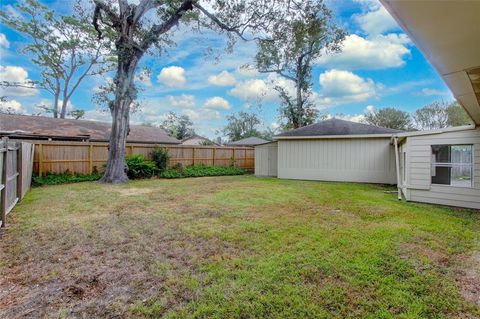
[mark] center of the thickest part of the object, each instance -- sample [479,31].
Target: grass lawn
[237,247]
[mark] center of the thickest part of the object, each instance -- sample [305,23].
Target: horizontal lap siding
[419,174]
[369,160]
[266,160]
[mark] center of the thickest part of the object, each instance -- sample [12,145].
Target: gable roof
[336,127]
[40,127]
[249,141]
[188,140]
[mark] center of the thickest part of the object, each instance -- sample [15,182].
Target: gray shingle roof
[68,129]
[249,141]
[337,127]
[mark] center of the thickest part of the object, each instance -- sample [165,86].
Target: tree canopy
[439,114]
[243,125]
[390,118]
[291,52]
[178,126]
[65,48]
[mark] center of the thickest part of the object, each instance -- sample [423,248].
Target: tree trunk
[63,111]
[115,171]
[297,122]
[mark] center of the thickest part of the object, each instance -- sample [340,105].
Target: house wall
[418,185]
[367,160]
[266,160]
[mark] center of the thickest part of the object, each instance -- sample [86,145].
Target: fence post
[193,156]
[90,159]
[20,170]
[213,157]
[3,207]
[40,159]
[233,157]
[131,150]
[245,159]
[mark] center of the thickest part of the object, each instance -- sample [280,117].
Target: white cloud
[377,21]
[338,86]
[274,125]
[369,109]
[217,102]
[3,41]
[183,101]
[173,76]
[11,106]
[432,92]
[247,71]
[97,115]
[200,115]
[222,79]
[254,89]
[379,52]
[16,74]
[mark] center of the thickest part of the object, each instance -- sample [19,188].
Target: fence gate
[16,163]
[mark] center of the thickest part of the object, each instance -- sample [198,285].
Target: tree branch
[159,29]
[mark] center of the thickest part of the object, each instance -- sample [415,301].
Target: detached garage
[332,150]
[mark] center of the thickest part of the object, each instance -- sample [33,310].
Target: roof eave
[316,137]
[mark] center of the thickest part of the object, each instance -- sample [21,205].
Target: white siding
[368,160]
[419,187]
[266,160]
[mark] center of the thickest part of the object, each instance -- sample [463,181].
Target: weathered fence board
[88,157]
[16,164]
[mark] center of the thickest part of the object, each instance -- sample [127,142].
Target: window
[452,165]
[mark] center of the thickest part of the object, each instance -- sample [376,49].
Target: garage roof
[337,127]
[447,33]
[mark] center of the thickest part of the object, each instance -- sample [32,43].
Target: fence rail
[89,157]
[16,159]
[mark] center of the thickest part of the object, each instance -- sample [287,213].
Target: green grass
[237,247]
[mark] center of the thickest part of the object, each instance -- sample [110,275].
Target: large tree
[64,48]
[291,52]
[440,114]
[390,118]
[178,126]
[149,23]
[242,125]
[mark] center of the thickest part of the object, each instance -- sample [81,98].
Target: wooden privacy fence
[89,157]
[16,165]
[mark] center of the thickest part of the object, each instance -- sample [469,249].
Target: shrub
[56,179]
[138,167]
[201,170]
[160,156]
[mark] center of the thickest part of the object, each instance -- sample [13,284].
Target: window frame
[434,164]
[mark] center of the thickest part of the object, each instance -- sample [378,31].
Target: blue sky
[378,67]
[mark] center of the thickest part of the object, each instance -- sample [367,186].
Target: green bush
[160,156]
[139,167]
[201,170]
[56,179]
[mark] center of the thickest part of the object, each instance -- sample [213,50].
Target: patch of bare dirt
[416,251]
[468,278]
[133,191]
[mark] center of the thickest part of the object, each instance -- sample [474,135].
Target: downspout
[397,166]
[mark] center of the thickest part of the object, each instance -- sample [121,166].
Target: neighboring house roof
[40,127]
[336,127]
[249,141]
[197,140]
